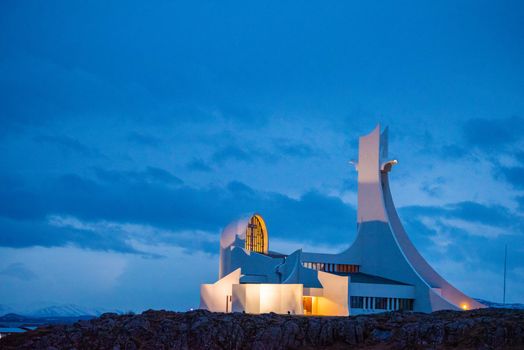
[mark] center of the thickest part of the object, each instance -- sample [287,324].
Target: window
[405,304]
[255,235]
[357,302]
[381,303]
[329,267]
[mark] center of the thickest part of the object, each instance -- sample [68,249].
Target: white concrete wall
[334,300]
[213,296]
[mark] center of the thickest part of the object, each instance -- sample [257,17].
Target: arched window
[256,235]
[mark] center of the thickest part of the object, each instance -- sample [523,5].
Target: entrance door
[308,305]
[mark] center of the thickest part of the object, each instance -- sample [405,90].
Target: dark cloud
[493,134]
[494,215]
[198,164]
[245,154]
[241,190]
[231,153]
[499,137]
[281,148]
[291,148]
[520,157]
[20,271]
[433,188]
[67,143]
[440,236]
[124,198]
[149,175]
[29,233]
[513,175]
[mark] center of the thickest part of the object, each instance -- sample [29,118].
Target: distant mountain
[4,309]
[15,321]
[70,310]
[67,310]
[515,306]
[57,310]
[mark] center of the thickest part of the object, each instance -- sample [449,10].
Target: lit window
[255,235]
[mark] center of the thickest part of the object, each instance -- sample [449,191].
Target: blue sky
[132,132]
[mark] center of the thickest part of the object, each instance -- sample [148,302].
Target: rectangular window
[330,267]
[406,304]
[357,302]
[381,303]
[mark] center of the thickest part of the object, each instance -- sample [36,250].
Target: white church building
[381,271]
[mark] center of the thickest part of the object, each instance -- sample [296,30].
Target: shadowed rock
[478,329]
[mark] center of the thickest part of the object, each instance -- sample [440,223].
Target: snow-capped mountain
[56,310]
[67,310]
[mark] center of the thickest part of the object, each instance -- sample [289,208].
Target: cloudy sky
[131,133]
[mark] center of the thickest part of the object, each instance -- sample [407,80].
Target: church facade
[381,271]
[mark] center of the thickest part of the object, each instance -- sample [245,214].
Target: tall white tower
[382,246]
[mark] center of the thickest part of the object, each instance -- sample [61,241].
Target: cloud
[292,148]
[138,235]
[30,233]
[130,197]
[282,147]
[67,143]
[520,201]
[246,154]
[464,231]
[433,188]
[20,271]
[197,164]
[513,175]
[494,215]
[150,175]
[231,153]
[493,134]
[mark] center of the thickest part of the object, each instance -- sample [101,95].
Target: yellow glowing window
[256,236]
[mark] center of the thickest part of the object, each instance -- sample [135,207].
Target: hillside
[485,329]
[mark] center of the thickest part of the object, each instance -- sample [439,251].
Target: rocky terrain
[479,329]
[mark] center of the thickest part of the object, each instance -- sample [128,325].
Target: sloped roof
[359,277]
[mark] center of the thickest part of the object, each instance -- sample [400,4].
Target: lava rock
[199,329]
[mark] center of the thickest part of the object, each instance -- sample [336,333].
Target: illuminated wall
[334,300]
[216,297]
[265,298]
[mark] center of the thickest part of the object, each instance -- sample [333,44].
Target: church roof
[359,277]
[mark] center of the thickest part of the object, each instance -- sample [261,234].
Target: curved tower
[382,246]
